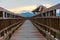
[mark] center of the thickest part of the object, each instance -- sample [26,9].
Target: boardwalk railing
[48,22]
[48,26]
[8,26]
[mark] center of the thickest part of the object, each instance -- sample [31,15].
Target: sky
[20,5]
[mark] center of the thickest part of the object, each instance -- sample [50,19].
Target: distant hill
[26,14]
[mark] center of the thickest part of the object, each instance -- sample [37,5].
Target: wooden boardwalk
[27,32]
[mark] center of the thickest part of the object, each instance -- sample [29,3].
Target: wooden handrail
[12,29]
[48,27]
[57,31]
[10,18]
[46,33]
[47,17]
[8,27]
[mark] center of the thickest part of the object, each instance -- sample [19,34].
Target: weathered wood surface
[27,32]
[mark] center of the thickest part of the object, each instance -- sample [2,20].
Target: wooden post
[59,12]
[58,35]
[54,12]
[46,13]
[42,14]
[3,14]
[14,16]
[0,34]
[49,14]
[6,15]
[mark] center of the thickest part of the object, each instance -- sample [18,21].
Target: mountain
[26,14]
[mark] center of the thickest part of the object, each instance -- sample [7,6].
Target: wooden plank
[27,32]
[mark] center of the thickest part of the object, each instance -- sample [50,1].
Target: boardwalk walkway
[27,32]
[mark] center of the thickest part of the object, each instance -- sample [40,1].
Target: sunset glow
[19,9]
[30,8]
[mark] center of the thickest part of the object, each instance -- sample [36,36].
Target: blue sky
[19,5]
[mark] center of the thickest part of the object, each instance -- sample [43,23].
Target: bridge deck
[27,32]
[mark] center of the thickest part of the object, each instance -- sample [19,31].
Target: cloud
[29,8]
[19,9]
[47,5]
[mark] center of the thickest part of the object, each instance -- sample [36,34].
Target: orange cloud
[19,9]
